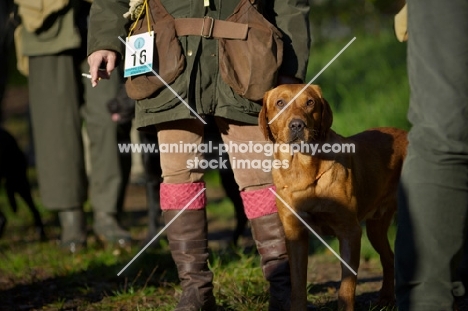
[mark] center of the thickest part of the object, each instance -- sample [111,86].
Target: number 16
[141,57]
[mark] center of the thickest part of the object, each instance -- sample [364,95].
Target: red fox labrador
[333,183]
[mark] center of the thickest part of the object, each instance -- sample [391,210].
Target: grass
[366,87]
[88,280]
[36,275]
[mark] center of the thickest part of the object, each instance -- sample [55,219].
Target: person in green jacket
[60,99]
[201,87]
[431,240]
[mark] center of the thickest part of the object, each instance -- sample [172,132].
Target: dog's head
[307,118]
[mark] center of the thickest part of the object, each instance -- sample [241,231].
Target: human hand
[95,59]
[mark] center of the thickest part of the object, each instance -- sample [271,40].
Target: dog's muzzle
[296,125]
[296,130]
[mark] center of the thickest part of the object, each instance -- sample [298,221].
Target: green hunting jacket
[200,84]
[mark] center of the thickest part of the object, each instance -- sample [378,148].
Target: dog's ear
[263,121]
[317,89]
[327,119]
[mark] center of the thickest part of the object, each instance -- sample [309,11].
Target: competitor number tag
[139,54]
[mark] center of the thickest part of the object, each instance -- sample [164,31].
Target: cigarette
[88,76]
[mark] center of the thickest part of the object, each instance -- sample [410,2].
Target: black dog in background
[13,168]
[122,109]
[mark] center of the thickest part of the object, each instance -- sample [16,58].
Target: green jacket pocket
[251,66]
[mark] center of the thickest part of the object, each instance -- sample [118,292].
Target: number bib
[139,54]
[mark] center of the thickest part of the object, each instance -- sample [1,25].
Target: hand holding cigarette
[95,59]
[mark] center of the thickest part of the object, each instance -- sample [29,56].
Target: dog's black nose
[296,125]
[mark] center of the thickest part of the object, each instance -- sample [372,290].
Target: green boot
[73,226]
[109,232]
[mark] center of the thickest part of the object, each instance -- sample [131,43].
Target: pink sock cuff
[177,196]
[258,203]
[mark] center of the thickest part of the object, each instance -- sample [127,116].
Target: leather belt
[209,27]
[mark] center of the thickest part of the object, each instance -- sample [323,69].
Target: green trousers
[61,103]
[432,214]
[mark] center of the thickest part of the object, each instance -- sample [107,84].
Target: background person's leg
[109,169]
[56,125]
[432,214]
[432,218]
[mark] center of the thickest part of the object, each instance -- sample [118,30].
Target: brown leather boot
[187,237]
[269,237]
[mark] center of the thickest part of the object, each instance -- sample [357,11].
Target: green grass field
[366,87]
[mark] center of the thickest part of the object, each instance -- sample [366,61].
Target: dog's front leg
[297,245]
[350,249]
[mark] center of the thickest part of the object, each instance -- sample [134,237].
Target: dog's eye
[280,103]
[310,102]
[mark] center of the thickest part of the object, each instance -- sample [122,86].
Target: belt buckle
[210,28]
